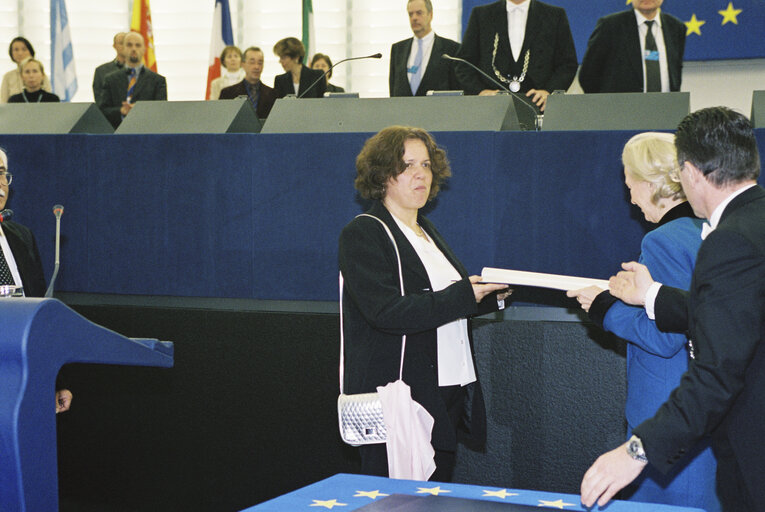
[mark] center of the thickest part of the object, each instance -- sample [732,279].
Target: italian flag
[309,33]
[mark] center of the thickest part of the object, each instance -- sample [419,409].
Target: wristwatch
[635,449]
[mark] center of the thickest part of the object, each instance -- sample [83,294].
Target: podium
[37,337]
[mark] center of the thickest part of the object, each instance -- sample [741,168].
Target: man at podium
[20,263]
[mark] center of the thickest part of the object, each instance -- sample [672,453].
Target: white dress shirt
[9,259]
[455,362]
[516,25]
[658,36]
[427,48]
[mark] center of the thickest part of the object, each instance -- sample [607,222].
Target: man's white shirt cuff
[650,299]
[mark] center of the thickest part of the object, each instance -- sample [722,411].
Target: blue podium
[37,337]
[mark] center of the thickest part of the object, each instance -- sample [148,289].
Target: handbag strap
[401,285]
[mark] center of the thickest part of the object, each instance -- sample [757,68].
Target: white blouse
[455,362]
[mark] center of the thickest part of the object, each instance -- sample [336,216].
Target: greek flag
[63,77]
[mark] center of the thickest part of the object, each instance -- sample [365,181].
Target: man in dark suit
[618,57]
[120,91]
[261,96]
[113,65]
[416,66]
[524,44]
[20,265]
[722,394]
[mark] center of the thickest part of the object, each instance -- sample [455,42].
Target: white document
[554,281]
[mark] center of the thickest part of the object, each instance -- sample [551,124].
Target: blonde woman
[19,49]
[33,77]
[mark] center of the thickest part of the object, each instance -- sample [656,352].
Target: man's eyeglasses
[6,178]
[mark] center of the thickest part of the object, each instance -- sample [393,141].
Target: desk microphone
[375,56]
[6,215]
[58,210]
[501,87]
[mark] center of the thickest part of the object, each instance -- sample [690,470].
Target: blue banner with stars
[343,493]
[716,29]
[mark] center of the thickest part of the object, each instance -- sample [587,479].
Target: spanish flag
[141,23]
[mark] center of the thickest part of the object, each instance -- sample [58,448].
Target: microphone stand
[375,56]
[58,210]
[501,87]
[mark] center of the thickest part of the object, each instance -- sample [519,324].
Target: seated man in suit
[525,44]
[625,55]
[108,67]
[135,82]
[723,314]
[416,66]
[20,264]
[261,96]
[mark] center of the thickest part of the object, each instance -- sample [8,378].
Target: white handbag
[360,416]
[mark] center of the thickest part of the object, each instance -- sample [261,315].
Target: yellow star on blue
[369,494]
[730,14]
[557,504]
[435,491]
[504,493]
[693,26]
[327,504]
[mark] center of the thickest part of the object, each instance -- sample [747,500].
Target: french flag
[222,36]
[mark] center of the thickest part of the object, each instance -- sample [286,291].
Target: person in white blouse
[231,59]
[19,50]
[401,169]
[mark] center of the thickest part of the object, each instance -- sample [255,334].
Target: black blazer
[283,83]
[149,86]
[265,101]
[100,73]
[27,257]
[439,73]
[613,62]
[723,392]
[552,62]
[375,316]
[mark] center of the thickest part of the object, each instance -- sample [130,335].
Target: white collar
[428,38]
[523,7]
[714,219]
[642,19]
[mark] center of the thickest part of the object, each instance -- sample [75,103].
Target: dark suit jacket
[100,74]
[552,62]
[723,392]
[439,73]
[334,88]
[27,257]
[265,101]
[375,316]
[150,86]
[613,61]
[283,84]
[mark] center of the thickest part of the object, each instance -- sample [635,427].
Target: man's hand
[585,296]
[488,92]
[610,474]
[125,109]
[631,284]
[538,97]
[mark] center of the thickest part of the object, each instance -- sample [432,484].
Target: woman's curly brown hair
[382,158]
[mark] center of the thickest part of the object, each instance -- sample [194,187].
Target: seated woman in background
[400,169]
[298,79]
[323,63]
[19,49]
[656,360]
[33,75]
[231,60]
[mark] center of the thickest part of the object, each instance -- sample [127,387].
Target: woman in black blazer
[401,169]
[291,53]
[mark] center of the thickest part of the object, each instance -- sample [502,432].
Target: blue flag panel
[716,29]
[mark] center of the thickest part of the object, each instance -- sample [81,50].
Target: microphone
[6,215]
[498,84]
[58,211]
[375,56]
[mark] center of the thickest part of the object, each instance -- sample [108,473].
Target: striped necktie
[131,84]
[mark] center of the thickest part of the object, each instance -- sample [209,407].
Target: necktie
[131,84]
[652,72]
[416,69]
[253,93]
[5,271]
